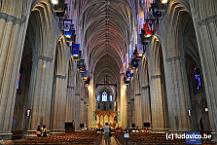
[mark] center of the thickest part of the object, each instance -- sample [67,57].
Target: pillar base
[214,137]
[30,133]
[159,130]
[6,135]
[57,131]
[180,130]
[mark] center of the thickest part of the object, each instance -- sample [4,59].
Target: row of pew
[78,138]
[148,138]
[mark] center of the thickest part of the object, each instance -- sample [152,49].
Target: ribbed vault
[107,70]
[106,27]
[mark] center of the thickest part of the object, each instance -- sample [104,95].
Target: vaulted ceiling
[106,26]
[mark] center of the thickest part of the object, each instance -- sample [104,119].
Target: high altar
[103,116]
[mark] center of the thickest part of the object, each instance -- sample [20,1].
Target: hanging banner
[67,24]
[129,74]
[81,64]
[69,30]
[84,75]
[75,50]
[140,49]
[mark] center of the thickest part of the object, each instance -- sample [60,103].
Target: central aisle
[113,141]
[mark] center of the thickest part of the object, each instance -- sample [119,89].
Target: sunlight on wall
[90,90]
[91,106]
[123,109]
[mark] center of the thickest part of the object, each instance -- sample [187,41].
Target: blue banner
[129,74]
[75,50]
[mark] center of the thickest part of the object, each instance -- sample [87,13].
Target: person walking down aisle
[106,130]
[113,141]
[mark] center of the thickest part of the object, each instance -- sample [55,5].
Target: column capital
[70,87]
[207,20]
[170,59]
[145,87]
[60,76]
[14,19]
[46,58]
[137,94]
[155,76]
[77,94]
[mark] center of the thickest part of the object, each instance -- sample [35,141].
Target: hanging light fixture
[126,80]
[159,7]
[84,75]
[134,63]
[54,2]
[136,54]
[164,1]
[59,7]
[144,40]
[206,109]
[82,69]
[87,82]
[155,11]
[85,78]
[81,65]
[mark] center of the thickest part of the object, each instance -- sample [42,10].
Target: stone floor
[113,141]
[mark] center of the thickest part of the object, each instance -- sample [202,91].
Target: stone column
[82,110]
[129,117]
[69,103]
[87,106]
[12,36]
[123,104]
[91,104]
[205,29]
[146,112]
[132,106]
[138,110]
[85,113]
[77,112]
[59,104]
[128,108]
[40,92]
[177,94]
[157,107]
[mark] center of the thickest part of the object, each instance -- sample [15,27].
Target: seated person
[44,131]
[38,132]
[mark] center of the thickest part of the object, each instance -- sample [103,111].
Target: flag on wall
[67,24]
[75,50]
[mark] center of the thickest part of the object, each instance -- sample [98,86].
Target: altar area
[103,116]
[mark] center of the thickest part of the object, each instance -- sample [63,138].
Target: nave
[134,64]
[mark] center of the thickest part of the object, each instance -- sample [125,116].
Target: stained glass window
[104,96]
[98,98]
[198,79]
[110,98]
